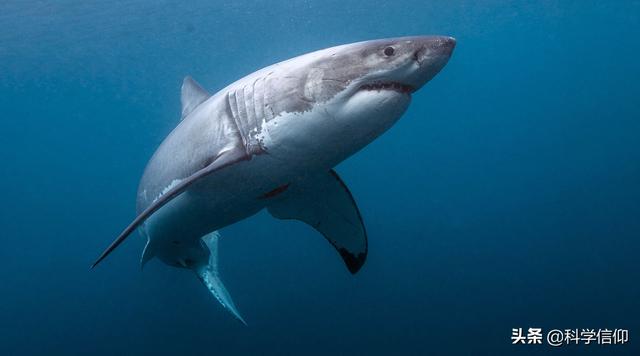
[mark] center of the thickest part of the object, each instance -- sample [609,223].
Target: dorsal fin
[192,95]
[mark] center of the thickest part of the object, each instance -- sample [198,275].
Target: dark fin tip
[353,262]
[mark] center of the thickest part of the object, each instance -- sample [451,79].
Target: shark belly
[294,147]
[319,139]
[215,202]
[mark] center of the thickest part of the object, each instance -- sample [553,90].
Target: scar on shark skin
[275,192]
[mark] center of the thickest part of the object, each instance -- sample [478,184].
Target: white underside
[296,144]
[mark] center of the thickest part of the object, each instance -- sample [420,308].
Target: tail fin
[209,275]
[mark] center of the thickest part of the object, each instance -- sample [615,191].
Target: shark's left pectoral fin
[325,203]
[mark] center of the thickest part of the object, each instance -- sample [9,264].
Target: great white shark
[270,140]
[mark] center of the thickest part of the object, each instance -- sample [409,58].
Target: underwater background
[508,196]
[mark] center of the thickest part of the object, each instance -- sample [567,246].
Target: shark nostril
[439,46]
[446,45]
[452,41]
[418,55]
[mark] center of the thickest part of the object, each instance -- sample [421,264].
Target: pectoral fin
[325,203]
[224,159]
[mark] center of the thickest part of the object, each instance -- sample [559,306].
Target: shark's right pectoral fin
[325,203]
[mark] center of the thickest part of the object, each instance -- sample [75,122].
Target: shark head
[362,88]
[384,74]
[401,65]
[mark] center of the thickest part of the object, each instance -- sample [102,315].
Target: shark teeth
[402,88]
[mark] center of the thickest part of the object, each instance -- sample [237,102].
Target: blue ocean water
[508,196]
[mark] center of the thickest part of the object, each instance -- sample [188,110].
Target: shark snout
[445,45]
[440,47]
[431,55]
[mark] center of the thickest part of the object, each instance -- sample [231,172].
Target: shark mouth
[378,86]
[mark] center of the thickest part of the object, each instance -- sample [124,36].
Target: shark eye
[389,51]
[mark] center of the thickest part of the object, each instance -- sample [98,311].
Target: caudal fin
[210,277]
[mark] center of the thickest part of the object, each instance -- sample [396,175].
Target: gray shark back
[192,145]
[233,118]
